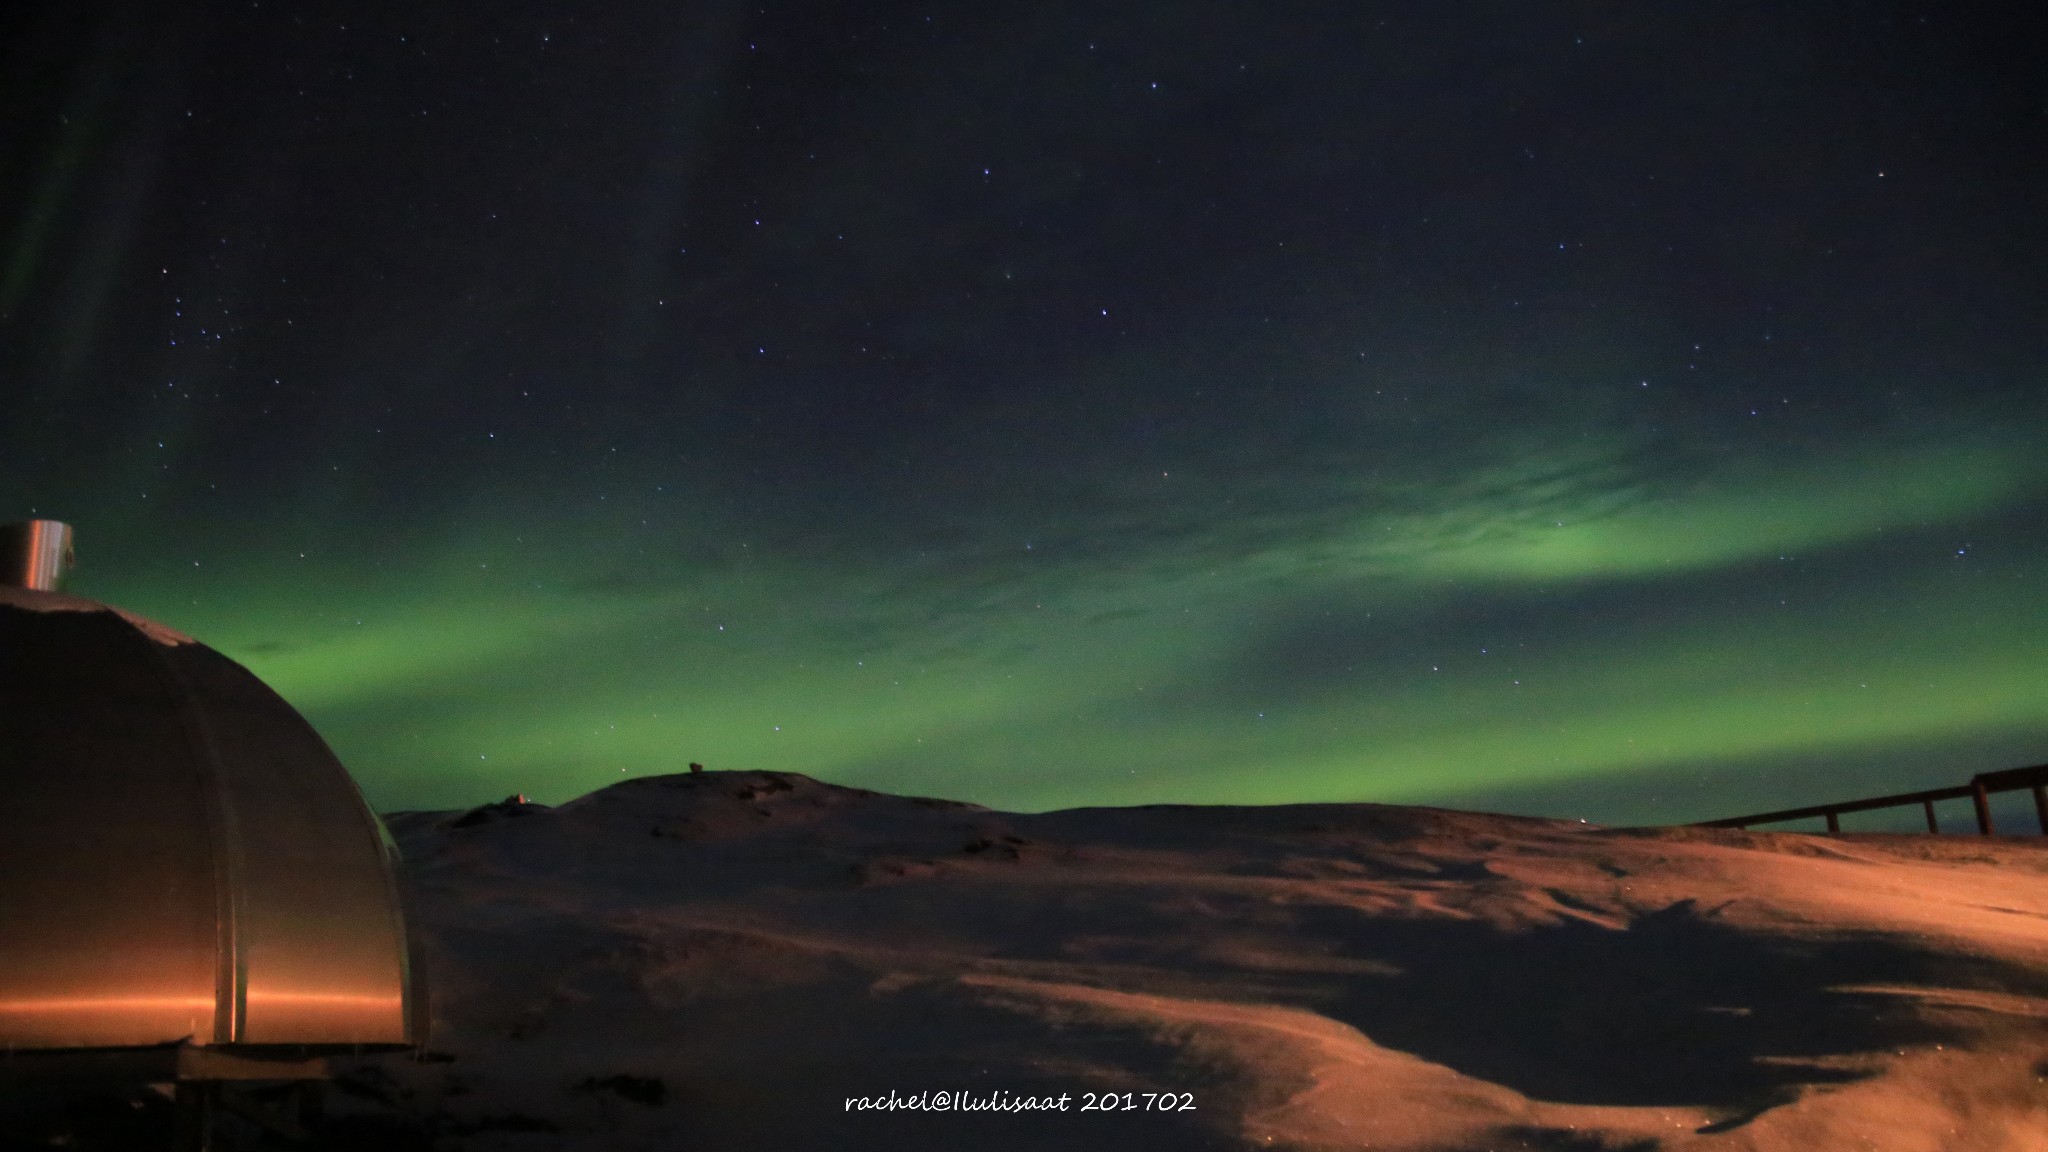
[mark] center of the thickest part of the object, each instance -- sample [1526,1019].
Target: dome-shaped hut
[185,866]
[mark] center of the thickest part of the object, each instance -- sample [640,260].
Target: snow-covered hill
[725,960]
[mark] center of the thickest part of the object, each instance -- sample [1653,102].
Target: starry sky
[1621,412]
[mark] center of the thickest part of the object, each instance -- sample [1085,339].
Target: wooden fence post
[2041,806]
[1932,826]
[1983,802]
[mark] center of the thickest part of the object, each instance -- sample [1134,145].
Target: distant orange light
[107,1004]
[336,998]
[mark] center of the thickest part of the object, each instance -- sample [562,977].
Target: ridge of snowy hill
[754,959]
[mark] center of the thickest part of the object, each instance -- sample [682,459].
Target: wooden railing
[1979,789]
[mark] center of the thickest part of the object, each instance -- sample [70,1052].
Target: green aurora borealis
[1567,410]
[1545,635]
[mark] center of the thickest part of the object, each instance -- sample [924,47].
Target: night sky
[1621,411]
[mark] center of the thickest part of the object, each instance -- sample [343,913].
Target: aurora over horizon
[1587,412]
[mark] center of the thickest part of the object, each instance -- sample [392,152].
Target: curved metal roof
[181,855]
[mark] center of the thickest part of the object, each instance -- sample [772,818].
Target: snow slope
[722,960]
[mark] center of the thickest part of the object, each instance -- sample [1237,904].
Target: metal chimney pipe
[36,554]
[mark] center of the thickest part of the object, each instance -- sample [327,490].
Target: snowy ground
[720,961]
